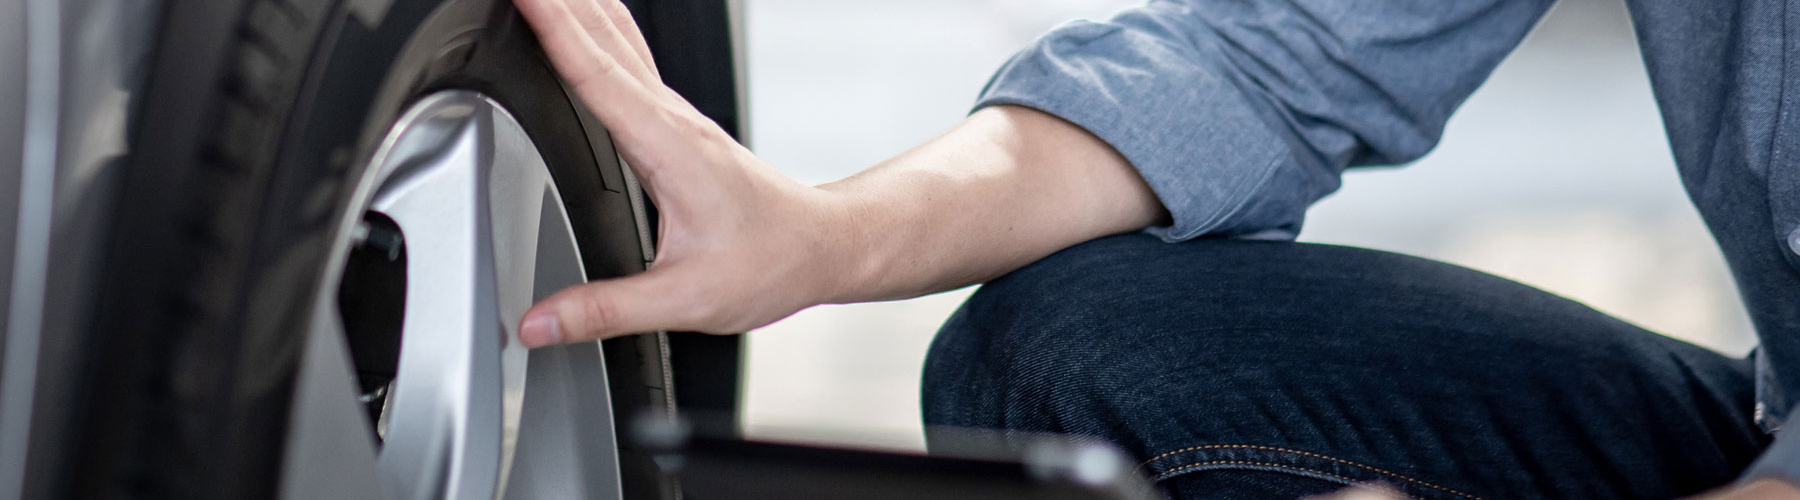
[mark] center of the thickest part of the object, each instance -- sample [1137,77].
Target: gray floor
[1555,173]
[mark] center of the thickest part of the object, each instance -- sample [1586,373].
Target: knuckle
[690,123]
[596,79]
[581,81]
[608,68]
[594,20]
[616,10]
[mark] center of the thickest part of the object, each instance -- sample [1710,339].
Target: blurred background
[1555,173]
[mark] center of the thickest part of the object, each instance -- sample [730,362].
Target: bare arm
[743,245]
[1006,187]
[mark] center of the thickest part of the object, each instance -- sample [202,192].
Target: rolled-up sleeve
[1240,113]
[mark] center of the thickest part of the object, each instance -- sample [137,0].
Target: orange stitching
[1348,481]
[1314,455]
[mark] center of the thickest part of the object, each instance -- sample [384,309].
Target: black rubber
[257,118]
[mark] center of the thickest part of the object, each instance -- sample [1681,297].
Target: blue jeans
[1241,369]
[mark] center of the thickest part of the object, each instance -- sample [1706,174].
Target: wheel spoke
[328,454]
[567,391]
[517,181]
[446,422]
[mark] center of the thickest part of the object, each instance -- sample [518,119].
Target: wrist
[847,263]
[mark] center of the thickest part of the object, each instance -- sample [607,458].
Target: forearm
[1007,186]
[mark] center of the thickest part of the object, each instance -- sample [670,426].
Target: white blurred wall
[1555,173]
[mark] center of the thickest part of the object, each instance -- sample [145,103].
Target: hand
[740,243]
[743,245]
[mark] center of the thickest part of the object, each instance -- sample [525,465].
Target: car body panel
[80,65]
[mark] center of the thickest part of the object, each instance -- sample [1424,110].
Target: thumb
[601,310]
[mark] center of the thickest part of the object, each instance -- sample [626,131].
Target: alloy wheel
[455,229]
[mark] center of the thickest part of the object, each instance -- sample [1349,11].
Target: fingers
[615,93]
[602,310]
[605,25]
[572,50]
[621,17]
[605,28]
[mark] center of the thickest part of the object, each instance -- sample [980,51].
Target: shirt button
[1794,241]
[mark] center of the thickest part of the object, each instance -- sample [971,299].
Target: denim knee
[1057,346]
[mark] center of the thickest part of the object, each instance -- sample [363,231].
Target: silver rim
[469,413]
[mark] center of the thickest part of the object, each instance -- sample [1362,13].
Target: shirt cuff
[1780,461]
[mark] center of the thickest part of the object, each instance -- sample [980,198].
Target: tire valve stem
[379,239]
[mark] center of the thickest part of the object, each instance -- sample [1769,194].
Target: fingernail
[540,329]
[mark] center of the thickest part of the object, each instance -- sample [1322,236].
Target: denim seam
[1378,470]
[1267,465]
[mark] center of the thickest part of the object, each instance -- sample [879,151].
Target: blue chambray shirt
[1241,113]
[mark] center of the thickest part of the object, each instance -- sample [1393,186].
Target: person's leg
[1256,369]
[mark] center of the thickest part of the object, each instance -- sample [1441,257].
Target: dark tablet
[982,467]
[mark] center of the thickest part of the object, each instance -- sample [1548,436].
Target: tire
[257,119]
